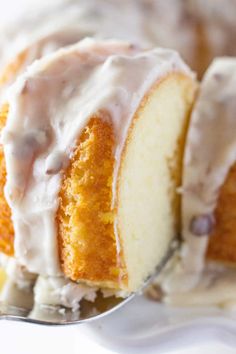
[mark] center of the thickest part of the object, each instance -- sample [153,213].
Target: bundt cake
[93,144]
[10,72]
[203,272]
[93,141]
[63,24]
[208,183]
[198,29]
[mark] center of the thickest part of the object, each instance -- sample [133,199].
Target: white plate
[20,338]
[143,326]
[140,327]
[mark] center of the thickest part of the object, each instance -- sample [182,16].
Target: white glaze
[18,287]
[72,84]
[126,20]
[58,291]
[39,48]
[210,152]
[17,273]
[215,286]
[146,22]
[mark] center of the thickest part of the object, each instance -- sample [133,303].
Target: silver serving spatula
[89,311]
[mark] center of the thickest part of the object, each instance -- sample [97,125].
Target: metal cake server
[89,311]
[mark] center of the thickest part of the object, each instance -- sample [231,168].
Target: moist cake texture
[102,141]
[203,271]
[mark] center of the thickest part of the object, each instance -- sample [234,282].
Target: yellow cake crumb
[6,227]
[3,277]
[13,68]
[222,242]
[86,234]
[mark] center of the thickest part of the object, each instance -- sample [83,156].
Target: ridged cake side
[87,242]
[6,227]
[222,241]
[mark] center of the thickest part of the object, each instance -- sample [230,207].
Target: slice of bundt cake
[203,271]
[93,144]
[208,184]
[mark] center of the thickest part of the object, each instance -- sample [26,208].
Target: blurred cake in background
[203,271]
[199,30]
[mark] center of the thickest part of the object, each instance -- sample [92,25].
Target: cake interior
[85,216]
[3,277]
[147,211]
[150,173]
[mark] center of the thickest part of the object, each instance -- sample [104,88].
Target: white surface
[141,327]
[211,338]
[18,338]
[11,9]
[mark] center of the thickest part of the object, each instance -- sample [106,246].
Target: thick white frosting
[210,152]
[40,134]
[216,287]
[146,22]
[18,287]
[58,291]
[17,273]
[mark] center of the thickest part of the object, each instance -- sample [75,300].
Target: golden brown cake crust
[203,52]
[222,242]
[6,227]
[87,243]
[13,68]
